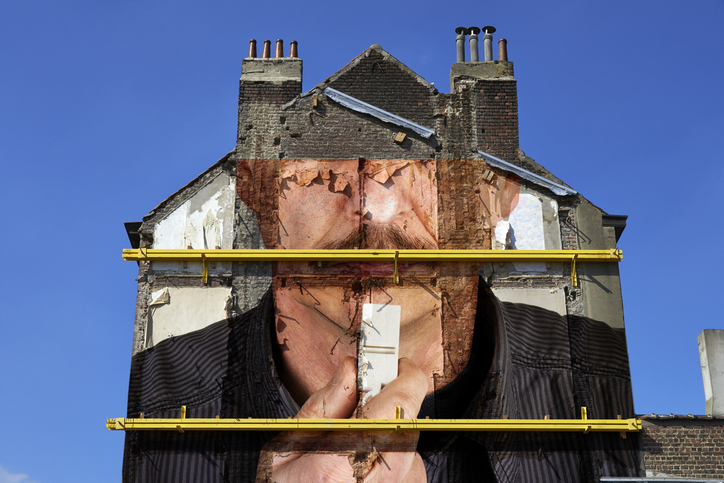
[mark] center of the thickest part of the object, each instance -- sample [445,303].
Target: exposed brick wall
[268,92]
[569,233]
[333,131]
[388,86]
[456,124]
[259,107]
[498,118]
[684,447]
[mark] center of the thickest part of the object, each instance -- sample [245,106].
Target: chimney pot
[266,53]
[488,42]
[252,48]
[293,49]
[279,53]
[460,41]
[474,53]
[503,50]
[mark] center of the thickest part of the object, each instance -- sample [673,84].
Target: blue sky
[106,108]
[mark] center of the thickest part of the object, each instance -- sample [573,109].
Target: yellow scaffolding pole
[240,424]
[367,255]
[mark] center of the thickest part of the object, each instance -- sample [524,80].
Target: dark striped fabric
[547,364]
[526,363]
[225,369]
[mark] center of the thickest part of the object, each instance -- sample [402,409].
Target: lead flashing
[361,106]
[525,174]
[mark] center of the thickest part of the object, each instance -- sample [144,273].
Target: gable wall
[388,86]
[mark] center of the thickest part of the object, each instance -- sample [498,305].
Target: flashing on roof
[525,174]
[360,106]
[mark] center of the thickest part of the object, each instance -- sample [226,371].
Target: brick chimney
[267,82]
[495,94]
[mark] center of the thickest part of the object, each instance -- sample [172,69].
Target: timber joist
[368,255]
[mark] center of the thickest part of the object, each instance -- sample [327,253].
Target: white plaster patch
[378,348]
[552,226]
[186,309]
[502,232]
[204,221]
[549,299]
[527,223]
[527,231]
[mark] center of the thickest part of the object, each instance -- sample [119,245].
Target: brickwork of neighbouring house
[683,446]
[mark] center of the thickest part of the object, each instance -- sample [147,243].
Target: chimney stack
[267,81]
[711,354]
[487,88]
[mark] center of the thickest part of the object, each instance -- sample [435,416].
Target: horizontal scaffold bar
[368,255]
[564,425]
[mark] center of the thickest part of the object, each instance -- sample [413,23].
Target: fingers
[398,460]
[407,390]
[399,467]
[396,456]
[336,400]
[316,467]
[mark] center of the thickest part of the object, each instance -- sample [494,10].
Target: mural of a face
[382,204]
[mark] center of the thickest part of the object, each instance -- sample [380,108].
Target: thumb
[336,400]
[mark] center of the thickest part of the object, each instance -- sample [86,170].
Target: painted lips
[359,269]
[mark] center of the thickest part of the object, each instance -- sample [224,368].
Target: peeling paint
[159,297]
[204,221]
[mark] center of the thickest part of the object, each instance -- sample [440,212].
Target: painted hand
[351,456]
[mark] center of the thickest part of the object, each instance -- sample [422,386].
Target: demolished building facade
[375,157]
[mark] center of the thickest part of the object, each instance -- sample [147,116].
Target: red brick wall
[684,447]
[498,117]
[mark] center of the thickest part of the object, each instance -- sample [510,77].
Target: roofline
[556,188]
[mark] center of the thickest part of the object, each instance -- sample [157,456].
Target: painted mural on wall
[462,352]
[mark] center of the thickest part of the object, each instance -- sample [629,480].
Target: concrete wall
[600,282]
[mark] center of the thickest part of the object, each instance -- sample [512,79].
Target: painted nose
[385,204]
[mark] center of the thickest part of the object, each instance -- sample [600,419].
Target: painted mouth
[356,269]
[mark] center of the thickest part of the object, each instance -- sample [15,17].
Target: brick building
[375,158]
